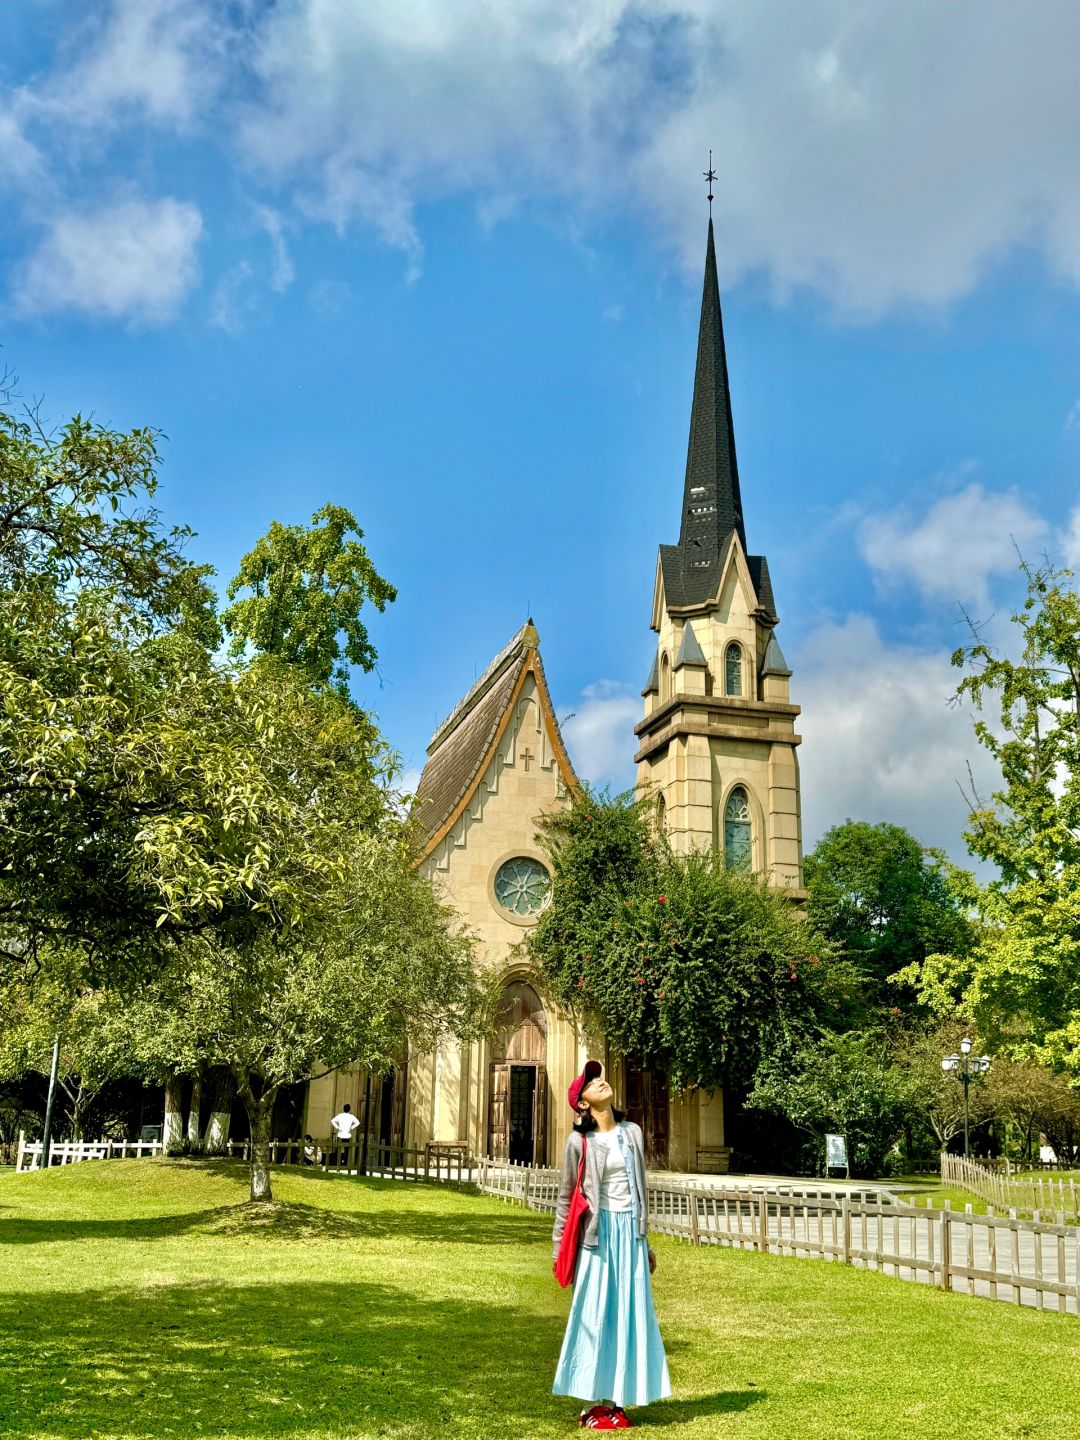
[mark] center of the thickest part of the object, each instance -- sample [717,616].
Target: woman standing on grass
[612,1350]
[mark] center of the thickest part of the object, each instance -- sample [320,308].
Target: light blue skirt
[612,1348]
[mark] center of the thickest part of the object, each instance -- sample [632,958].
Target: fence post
[763,1223]
[692,1199]
[944,1245]
[528,1179]
[845,1230]
[19,1153]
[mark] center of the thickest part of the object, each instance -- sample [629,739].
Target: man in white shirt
[344,1124]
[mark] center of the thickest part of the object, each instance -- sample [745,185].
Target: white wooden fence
[1002,1257]
[1041,1197]
[431,1162]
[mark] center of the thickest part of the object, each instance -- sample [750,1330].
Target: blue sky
[441,262]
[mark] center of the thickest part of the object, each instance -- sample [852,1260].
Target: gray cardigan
[591,1183]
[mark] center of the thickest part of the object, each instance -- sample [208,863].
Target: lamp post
[966,1067]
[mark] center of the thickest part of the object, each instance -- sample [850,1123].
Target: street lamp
[966,1067]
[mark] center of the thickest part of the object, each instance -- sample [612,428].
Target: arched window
[661,814]
[738,835]
[665,678]
[733,669]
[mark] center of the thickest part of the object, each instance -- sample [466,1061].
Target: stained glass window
[737,830]
[733,669]
[522,885]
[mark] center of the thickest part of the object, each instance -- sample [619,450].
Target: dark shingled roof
[774,662]
[690,652]
[457,749]
[712,501]
[461,743]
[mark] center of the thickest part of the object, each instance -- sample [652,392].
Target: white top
[344,1125]
[615,1183]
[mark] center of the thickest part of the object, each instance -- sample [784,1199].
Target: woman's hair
[586,1125]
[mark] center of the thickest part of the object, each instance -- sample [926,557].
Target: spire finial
[710,176]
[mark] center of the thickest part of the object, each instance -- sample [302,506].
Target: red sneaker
[599,1417]
[620,1420]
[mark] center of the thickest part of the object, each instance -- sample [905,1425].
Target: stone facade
[494,767]
[723,722]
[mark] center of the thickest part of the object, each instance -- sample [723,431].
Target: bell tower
[717,746]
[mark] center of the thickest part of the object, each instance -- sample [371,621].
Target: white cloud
[880,738]
[132,260]
[159,58]
[877,154]
[20,161]
[283,271]
[599,733]
[233,299]
[956,548]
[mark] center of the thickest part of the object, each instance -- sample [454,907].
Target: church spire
[712,504]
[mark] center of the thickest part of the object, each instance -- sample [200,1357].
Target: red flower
[641,979]
[663,899]
[581,984]
[896,1009]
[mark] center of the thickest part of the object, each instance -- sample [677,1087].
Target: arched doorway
[517,1108]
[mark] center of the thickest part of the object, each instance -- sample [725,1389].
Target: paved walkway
[1011,1252]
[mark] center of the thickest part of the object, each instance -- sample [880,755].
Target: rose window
[522,886]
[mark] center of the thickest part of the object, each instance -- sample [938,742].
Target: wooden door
[401,1090]
[647,1106]
[499,1112]
[522,1113]
[540,1117]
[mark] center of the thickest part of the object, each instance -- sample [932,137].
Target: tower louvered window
[738,832]
[733,669]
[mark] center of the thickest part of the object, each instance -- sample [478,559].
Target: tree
[91,583]
[936,1096]
[699,969]
[1039,1102]
[841,1084]
[383,973]
[305,590]
[94,1039]
[884,901]
[1021,982]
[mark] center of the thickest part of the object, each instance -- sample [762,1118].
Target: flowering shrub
[698,969]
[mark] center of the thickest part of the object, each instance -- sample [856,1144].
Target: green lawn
[931,1191]
[144,1298]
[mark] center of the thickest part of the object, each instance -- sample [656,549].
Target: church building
[717,750]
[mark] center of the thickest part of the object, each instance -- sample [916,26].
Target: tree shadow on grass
[193,1360]
[381,1214]
[285,1221]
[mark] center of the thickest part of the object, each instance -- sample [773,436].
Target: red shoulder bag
[566,1260]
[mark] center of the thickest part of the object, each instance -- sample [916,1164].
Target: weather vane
[710,176]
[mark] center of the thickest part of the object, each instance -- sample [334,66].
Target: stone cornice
[724,717]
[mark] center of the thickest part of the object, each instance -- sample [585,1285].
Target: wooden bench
[714,1159]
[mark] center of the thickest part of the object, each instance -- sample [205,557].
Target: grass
[932,1192]
[146,1298]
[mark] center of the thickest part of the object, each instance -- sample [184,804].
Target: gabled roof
[462,746]
[680,595]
